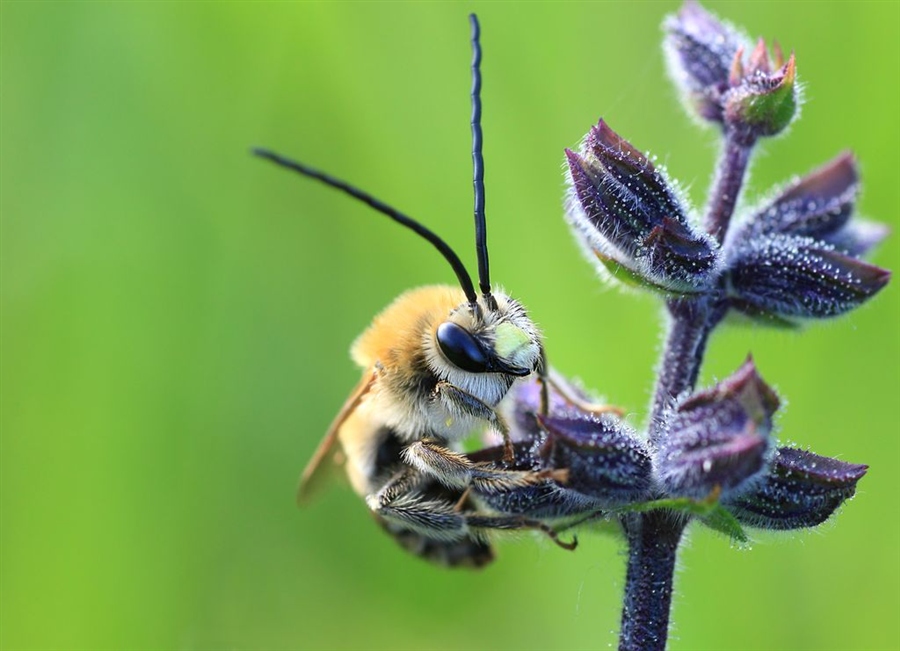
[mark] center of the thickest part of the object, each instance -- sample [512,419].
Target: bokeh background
[176,317]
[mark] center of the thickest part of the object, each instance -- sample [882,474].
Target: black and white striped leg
[442,520]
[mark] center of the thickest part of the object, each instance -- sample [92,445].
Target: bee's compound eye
[460,348]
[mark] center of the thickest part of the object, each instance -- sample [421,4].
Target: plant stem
[653,537]
[652,542]
[730,175]
[691,321]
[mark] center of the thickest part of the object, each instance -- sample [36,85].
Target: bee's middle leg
[455,470]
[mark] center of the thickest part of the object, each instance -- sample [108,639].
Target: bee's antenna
[465,280]
[484,279]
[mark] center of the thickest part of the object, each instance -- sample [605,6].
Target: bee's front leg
[460,403]
[550,378]
[570,395]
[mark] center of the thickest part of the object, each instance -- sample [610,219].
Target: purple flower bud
[795,258]
[700,51]
[604,458]
[790,277]
[593,463]
[817,205]
[606,464]
[625,213]
[763,103]
[800,489]
[706,58]
[718,439]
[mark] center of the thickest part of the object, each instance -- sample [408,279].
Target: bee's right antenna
[484,280]
[465,281]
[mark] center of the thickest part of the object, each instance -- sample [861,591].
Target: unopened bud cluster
[794,257]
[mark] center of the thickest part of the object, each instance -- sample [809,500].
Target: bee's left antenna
[465,281]
[484,278]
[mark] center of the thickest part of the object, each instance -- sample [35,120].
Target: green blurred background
[176,317]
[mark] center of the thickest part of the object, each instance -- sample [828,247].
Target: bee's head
[494,335]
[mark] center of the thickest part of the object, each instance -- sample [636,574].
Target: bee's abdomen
[467,552]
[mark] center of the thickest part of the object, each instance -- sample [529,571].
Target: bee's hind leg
[401,502]
[432,518]
[439,519]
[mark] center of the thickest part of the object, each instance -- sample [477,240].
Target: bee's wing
[322,461]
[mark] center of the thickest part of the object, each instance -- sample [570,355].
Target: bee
[437,362]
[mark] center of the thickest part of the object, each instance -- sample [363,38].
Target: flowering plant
[707,455]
